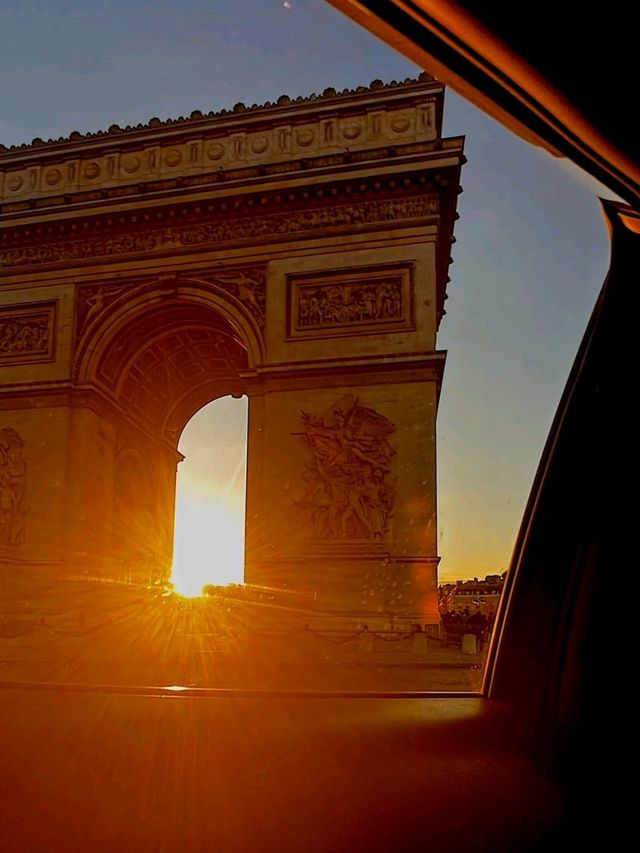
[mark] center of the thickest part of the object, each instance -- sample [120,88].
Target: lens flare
[208,547]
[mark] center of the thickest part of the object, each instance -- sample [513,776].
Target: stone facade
[297,253]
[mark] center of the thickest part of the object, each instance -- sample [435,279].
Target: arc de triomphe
[295,252]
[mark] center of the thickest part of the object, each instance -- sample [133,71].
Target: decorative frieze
[350,302]
[27,333]
[214,147]
[223,228]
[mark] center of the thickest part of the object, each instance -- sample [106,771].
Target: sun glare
[210,497]
[208,548]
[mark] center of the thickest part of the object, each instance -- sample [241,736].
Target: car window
[528,258]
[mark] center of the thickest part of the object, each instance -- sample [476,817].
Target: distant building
[474,594]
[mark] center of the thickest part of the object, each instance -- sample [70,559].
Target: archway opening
[210,498]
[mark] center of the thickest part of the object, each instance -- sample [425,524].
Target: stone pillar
[342,506]
[342,471]
[33,443]
[119,498]
[89,474]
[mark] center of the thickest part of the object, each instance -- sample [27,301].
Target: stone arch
[129,303]
[152,356]
[163,351]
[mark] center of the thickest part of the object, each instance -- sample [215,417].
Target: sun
[208,547]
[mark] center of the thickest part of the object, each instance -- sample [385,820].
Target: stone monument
[295,252]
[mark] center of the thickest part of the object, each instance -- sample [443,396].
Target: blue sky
[531,250]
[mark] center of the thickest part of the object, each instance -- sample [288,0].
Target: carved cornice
[433,156]
[57,394]
[196,116]
[369,370]
[354,121]
[212,227]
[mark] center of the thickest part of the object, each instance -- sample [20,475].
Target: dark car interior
[532,762]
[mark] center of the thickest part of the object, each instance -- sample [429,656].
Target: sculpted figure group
[23,335]
[13,474]
[347,303]
[346,494]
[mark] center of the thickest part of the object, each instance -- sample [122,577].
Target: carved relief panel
[91,302]
[13,476]
[350,302]
[27,333]
[346,493]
